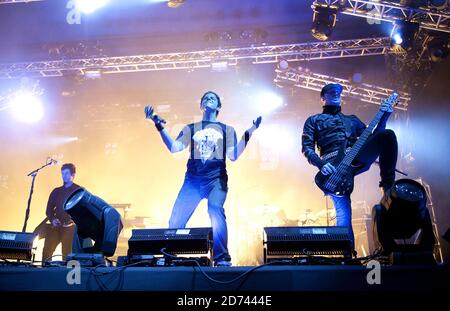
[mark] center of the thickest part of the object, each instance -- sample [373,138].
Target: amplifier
[307,241]
[174,241]
[17,245]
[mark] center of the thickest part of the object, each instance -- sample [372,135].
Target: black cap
[331,86]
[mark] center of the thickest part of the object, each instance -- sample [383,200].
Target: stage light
[90,6]
[95,220]
[397,38]
[93,73]
[283,64]
[356,78]
[26,107]
[18,245]
[175,3]
[401,213]
[403,34]
[324,20]
[267,102]
[219,66]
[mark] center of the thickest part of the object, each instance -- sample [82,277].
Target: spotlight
[403,34]
[89,6]
[401,213]
[267,102]
[175,3]
[17,245]
[93,73]
[438,48]
[397,38]
[26,107]
[356,78]
[95,220]
[324,20]
[219,65]
[283,64]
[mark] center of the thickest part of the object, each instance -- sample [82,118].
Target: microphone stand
[397,170]
[33,175]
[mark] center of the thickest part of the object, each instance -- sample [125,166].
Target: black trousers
[381,144]
[54,236]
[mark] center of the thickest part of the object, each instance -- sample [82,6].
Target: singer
[61,227]
[210,143]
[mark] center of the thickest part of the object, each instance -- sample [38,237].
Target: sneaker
[222,263]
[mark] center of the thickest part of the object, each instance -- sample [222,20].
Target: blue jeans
[343,207]
[190,195]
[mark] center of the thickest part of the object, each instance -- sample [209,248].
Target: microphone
[51,161]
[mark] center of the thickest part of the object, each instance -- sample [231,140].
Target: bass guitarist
[331,129]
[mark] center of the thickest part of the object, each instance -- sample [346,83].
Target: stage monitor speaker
[18,245]
[173,241]
[285,242]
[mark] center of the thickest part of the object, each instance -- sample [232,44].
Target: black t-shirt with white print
[208,142]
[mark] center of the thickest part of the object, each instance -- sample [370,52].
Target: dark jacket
[329,130]
[55,208]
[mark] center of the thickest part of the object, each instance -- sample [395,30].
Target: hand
[386,107]
[56,222]
[150,114]
[327,169]
[257,122]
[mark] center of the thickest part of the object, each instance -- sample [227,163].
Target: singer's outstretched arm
[234,148]
[174,145]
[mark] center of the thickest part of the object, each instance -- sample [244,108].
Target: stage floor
[265,278]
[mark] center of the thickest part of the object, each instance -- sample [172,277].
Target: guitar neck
[350,156]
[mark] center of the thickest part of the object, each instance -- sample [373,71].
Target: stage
[165,137]
[424,279]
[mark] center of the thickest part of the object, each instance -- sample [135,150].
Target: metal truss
[314,81]
[200,59]
[17,1]
[437,247]
[387,11]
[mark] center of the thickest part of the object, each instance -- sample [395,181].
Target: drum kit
[272,216]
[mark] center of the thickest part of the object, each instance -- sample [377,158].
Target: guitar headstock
[392,100]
